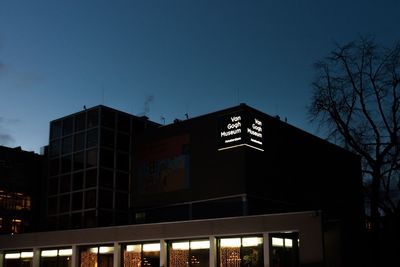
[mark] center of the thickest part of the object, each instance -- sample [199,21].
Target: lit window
[240,251]
[147,254]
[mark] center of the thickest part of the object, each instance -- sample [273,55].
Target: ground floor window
[56,257]
[284,249]
[240,251]
[189,253]
[101,256]
[145,254]
[18,259]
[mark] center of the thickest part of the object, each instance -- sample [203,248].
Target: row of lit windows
[14,201]
[231,252]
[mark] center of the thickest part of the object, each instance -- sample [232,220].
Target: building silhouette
[21,173]
[235,187]
[90,157]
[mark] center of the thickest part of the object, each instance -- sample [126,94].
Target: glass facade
[55,257]
[89,172]
[284,249]
[145,254]
[240,251]
[189,253]
[99,256]
[18,259]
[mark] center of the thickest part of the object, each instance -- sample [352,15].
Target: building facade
[242,187]
[21,173]
[90,158]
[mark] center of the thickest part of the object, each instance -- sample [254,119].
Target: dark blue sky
[189,56]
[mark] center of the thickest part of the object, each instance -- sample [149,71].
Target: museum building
[234,187]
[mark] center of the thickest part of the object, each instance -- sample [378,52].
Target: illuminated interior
[146,254]
[189,253]
[241,251]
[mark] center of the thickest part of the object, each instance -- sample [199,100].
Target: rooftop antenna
[163,120]
[102,95]
[187,116]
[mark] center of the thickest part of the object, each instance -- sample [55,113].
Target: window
[106,199]
[18,259]
[67,145]
[64,203]
[78,161]
[92,118]
[189,253]
[101,256]
[77,201]
[123,142]
[65,183]
[80,121]
[145,254]
[55,148]
[91,178]
[90,199]
[66,163]
[79,141]
[123,122]
[68,126]
[91,138]
[106,178]
[91,158]
[108,118]
[55,129]
[107,158]
[16,226]
[56,257]
[241,251]
[77,182]
[107,138]
[284,249]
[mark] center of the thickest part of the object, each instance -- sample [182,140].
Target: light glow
[180,246]
[27,254]
[65,252]
[49,253]
[106,250]
[94,250]
[134,248]
[12,255]
[203,244]
[288,243]
[277,242]
[251,241]
[230,242]
[151,247]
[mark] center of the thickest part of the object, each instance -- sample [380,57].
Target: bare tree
[357,98]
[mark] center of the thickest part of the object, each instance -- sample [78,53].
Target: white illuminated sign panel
[240,129]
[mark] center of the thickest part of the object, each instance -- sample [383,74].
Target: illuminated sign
[240,129]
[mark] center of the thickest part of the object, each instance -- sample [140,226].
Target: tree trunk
[375,219]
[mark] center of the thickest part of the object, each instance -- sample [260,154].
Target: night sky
[166,58]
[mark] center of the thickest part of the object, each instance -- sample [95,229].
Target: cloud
[6,139]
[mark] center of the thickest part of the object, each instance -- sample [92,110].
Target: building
[90,157]
[243,187]
[21,174]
